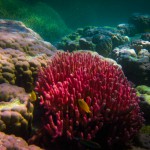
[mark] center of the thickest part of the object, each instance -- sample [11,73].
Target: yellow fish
[84,105]
[32,96]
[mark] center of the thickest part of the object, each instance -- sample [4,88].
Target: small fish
[88,144]
[84,105]
[33,96]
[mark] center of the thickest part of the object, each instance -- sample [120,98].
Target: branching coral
[101,84]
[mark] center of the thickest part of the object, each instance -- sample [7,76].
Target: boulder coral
[22,52]
[114,113]
[16,110]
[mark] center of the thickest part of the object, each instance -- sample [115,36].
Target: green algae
[47,23]
[145,129]
[143,89]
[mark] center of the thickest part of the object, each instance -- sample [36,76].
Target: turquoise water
[81,100]
[98,12]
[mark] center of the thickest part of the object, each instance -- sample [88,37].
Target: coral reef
[22,52]
[11,142]
[140,44]
[99,39]
[114,110]
[135,61]
[127,29]
[16,110]
[141,22]
[146,36]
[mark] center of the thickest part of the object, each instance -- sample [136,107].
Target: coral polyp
[104,90]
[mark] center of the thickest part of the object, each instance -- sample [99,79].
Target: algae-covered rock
[143,89]
[143,92]
[145,129]
[16,110]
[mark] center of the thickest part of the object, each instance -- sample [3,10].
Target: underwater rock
[144,141]
[85,44]
[87,96]
[135,61]
[99,39]
[16,110]
[22,52]
[11,142]
[72,45]
[127,29]
[103,44]
[137,148]
[146,36]
[141,22]
[140,44]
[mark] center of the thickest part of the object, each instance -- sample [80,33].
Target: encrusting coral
[114,114]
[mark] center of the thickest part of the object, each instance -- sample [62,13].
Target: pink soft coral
[101,84]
